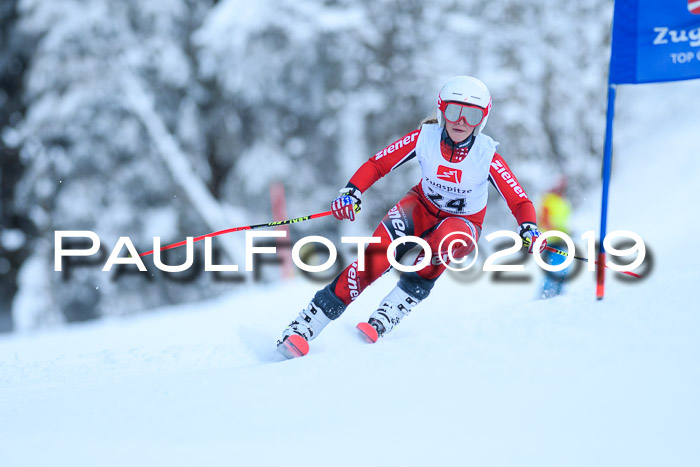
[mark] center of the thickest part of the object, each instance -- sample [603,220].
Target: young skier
[457,161]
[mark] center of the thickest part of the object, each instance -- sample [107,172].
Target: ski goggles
[454,112]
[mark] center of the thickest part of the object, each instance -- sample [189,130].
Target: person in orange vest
[555,214]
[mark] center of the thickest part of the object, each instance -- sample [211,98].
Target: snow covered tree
[317,87]
[14,226]
[100,70]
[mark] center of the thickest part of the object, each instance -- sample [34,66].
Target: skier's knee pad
[329,303]
[415,285]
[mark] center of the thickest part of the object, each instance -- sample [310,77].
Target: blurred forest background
[174,118]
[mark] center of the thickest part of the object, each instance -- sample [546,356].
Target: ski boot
[295,338]
[393,309]
[325,307]
[409,292]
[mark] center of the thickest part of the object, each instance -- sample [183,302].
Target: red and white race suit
[451,197]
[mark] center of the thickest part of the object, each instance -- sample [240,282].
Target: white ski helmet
[465,90]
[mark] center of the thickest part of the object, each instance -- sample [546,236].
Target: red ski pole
[248,227]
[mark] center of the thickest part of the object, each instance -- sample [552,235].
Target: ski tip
[368,332]
[294,346]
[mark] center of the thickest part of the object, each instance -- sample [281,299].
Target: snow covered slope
[481,374]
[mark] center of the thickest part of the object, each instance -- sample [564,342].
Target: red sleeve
[385,161]
[507,185]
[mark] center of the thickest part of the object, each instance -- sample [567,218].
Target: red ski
[368,332]
[294,346]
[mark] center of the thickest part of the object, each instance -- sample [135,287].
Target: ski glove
[529,233]
[347,204]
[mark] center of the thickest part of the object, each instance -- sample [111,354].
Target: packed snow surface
[480,374]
